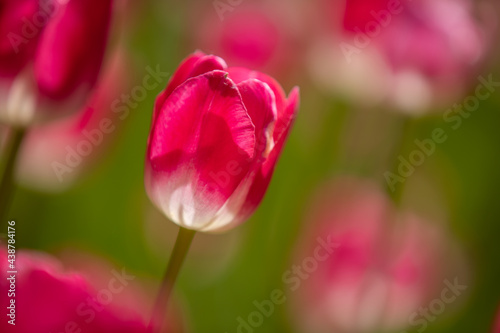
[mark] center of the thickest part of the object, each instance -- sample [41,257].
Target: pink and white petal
[260,103]
[201,147]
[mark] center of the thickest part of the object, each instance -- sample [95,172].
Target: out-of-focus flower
[411,55]
[384,265]
[53,51]
[261,35]
[216,135]
[48,299]
[55,155]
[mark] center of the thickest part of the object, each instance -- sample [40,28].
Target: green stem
[406,137]
[7,186]
[181,247]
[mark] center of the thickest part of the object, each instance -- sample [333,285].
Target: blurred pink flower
[412,55]
[48,299]
[55,155]
[51,52]
[385,264]
[261,35]
[215,138]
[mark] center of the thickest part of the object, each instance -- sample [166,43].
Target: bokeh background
[107,213]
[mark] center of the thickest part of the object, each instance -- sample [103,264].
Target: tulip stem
[396,190]
[181,247]
[7,187]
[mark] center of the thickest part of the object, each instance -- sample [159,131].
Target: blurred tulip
[412,56]
[53,52]
[379,272]
[15,50]
[55,155]
[216,135]
[261,35]
[48,299]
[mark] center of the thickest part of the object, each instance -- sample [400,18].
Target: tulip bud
[49,299]
[409,55]
[60,57]
[18,35]
[55,155]
[215,138]
[364,267]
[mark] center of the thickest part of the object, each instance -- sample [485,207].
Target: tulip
[50,299]
[55,155]
[384,264]
[53,61]
[411,56]
[15,48]
[215,138]
[216,135]
[53,54]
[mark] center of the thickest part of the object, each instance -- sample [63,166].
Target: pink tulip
[48,299]
[55,155]
[385,265]
[216,135]
[411,55]
[14,52]
[54,59]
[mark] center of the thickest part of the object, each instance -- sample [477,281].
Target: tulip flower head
[384,267]
[216,135]
[51,52]
[49,299]
[411,55]
[56,154]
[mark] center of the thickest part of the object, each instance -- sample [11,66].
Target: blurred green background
[105,212]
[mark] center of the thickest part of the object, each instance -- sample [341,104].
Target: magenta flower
[216,135]
[410,55]
[48,299]
[378,268]
[53,52]
[56,154]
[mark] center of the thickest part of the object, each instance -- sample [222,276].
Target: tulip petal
[196,64]
[71,49]
[17,42]
[260,103]
[240,74]
[264,174]
[201,147]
